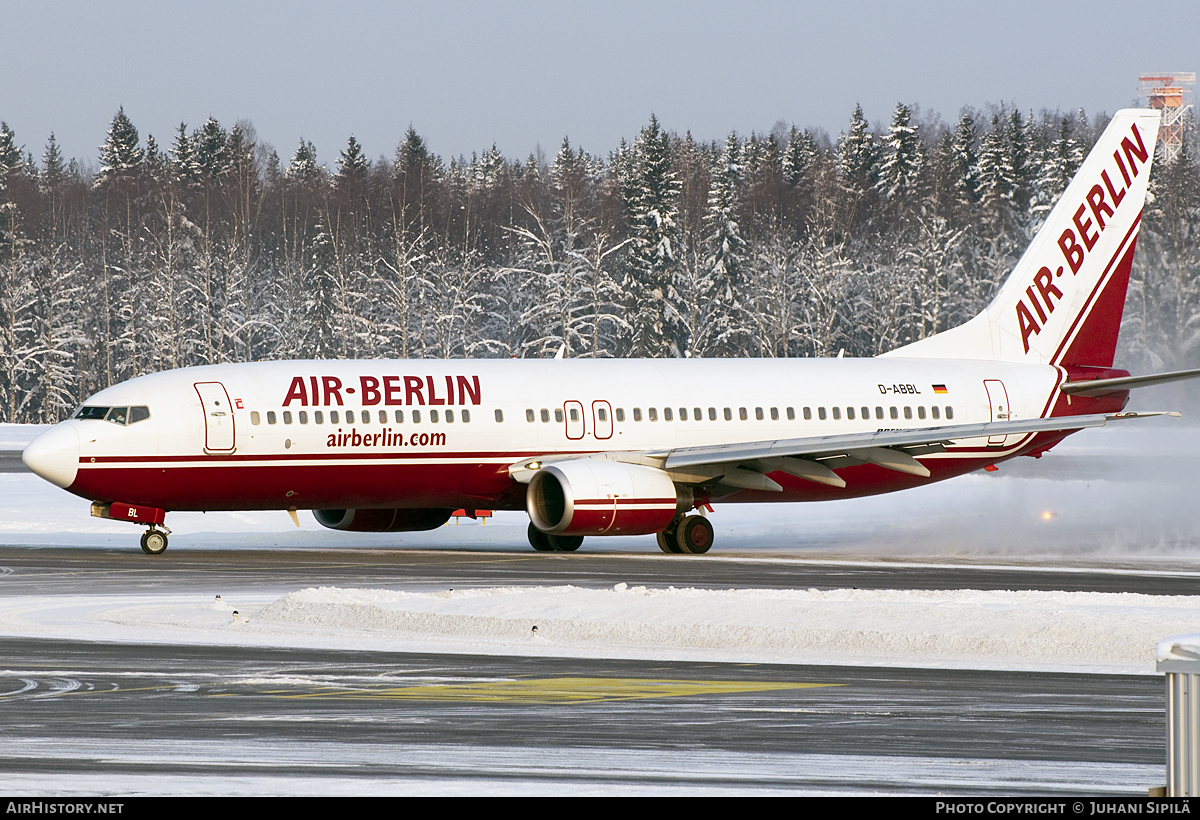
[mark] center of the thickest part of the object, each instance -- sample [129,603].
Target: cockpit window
[117,415]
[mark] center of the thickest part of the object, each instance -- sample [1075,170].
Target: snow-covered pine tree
[54,166]
[963,149]
[858,154]
[997,179]
[903,157]
[650,207]
[184,165]
[726,331]
[121,155]
[303,167]
[800,154]
[211,150]
[321,339]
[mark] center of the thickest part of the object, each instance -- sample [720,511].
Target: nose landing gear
[154,541]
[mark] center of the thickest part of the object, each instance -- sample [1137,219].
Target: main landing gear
[154,542]
[543,542]
[690,535]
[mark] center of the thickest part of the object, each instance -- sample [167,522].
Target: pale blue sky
[525,73]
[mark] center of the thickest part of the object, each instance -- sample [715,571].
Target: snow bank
[1037,631]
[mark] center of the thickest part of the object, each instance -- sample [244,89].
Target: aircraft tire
[566,543]
[539,540]
[667,540]
[154,542]
[695,535]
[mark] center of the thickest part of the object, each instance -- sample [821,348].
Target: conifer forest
[215,249]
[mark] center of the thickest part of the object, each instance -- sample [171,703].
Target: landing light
[1046,516]
[533,465]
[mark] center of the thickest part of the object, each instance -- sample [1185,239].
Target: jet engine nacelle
[593,497]
[382,520]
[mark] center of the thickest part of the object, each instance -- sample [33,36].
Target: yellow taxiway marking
[560,690]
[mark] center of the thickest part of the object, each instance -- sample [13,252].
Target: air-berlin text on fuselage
[326,391]
[1090,218]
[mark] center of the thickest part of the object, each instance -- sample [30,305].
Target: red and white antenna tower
[1171,93]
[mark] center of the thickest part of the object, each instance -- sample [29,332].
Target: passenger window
[255,418]
[879,413]
[303,416]
[866,413]
[683,414]
[137,414]
[937,414]
[500,415]
[545,416]
[601,414]
[287,416]
[728,414]
[949,412]
[449,417]
[821,413]
[366,417]
[837,414]
[920,412]
[850,413]
[416,416]
[382,417]
[758,413]
[893,413]
[334,418]
[667,414]
[652,413]
[271,417]
[433,416]
[318,417]
[620,414]
[466,416]
[712,414]
[791,414]
[529,416]
[742,414]
[558,415]
[908,412]
[574,414]
[808,414]
[774,414]
[399,416]
[637,414]
[696,414]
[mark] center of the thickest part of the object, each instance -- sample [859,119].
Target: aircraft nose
[54,455]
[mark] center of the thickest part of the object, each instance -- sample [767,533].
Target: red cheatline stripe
[281,457]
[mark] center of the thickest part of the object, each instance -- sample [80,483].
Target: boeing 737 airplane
[624,447]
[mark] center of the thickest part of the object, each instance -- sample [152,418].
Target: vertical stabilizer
[1062,303]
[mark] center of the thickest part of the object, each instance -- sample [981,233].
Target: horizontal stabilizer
[1099,387]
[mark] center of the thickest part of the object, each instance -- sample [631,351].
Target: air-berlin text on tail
[1090,219]
[326,391]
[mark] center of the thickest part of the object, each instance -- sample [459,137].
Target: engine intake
[594,497]
[382,520]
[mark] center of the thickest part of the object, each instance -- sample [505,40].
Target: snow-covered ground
[1118,496]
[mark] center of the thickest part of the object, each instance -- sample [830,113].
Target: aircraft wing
[813,458]
[745,464]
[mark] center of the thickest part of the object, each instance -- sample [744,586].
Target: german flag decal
[940,388]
